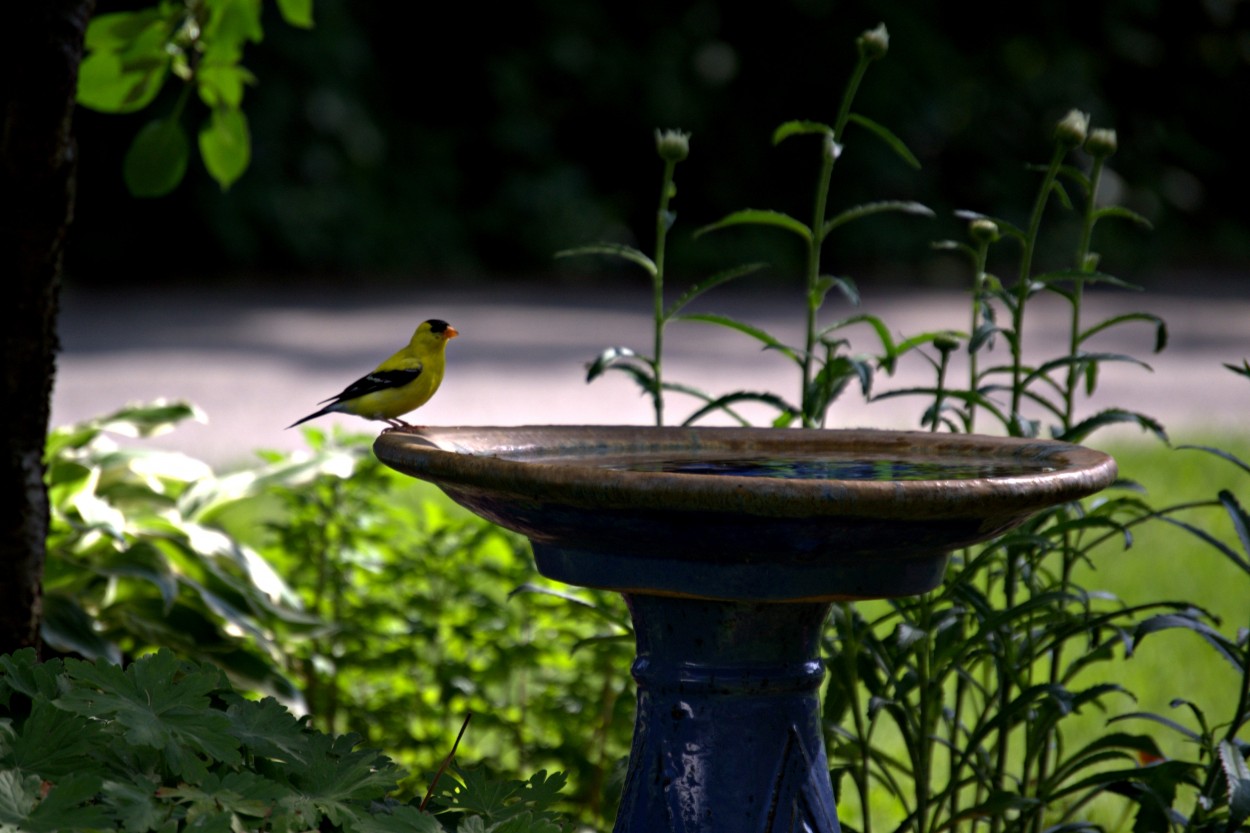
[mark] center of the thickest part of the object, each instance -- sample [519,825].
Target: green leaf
[1240,521]
[51,743]
[1237,781]
[69,628]
[896,144]
[157,159]
[160,703]
[149,420]
[622,358]
[226,146]
[613,250]
[134,804]
[759,217]
[339,776]
[403,818]
[222,85]
[799,128]
[268,730]
[742,327]
[232,23]
[868,209]
[298,13]
[66,806]
[826,282]
[107,84]
[714,281]
[722,403]
[22,672]
[1122,213]
[127,59]
[1112,416]
[1161,327]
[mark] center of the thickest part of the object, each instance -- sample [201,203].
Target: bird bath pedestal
[729,546]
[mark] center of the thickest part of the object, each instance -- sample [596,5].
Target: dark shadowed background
[388,143]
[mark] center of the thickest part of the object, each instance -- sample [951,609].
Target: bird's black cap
[438,325]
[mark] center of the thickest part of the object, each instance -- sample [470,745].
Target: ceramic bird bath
[730,545]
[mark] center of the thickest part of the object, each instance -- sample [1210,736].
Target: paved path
[256,361]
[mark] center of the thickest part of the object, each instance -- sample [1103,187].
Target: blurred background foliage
[385,143]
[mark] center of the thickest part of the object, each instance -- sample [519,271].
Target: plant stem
[663,220]
[978,301]
[1025,285]
[1083,264]
[829,154]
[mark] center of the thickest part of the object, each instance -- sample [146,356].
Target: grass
[1164,562]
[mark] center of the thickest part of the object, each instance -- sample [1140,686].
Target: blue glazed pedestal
[730,578]
[728,732]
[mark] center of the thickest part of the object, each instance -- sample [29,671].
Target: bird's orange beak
[450,333]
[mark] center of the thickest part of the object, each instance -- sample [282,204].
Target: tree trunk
[41,47]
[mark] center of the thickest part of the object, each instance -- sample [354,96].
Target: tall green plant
[956,705]
[825,369]
[647,371]
[825,365]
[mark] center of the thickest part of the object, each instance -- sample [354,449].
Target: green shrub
[167,745]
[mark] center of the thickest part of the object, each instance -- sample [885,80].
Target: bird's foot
[397,424]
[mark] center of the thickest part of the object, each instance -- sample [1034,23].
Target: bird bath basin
[729,545]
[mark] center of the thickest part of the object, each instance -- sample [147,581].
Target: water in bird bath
[822,467]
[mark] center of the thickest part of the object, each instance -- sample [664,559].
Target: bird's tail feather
[313,415]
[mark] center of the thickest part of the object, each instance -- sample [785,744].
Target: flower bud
[983,230]
[1101,142]
[1072,128]
[833,149]
[874,43]
[946,343]
[672,145]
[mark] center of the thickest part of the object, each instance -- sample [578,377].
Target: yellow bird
[402,383]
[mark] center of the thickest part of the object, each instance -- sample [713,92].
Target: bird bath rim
[543,462]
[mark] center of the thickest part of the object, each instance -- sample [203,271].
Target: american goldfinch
[402,383]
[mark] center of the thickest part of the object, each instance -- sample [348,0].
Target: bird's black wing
[376,381]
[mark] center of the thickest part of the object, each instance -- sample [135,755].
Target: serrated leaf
[268,730]
[800,128]
[884,134]
[401,819]
[23,672]
[68,805]
[157,159]
[339,775]
[134,804]
[157,702]
[759,217]
[226,145]
[51,743]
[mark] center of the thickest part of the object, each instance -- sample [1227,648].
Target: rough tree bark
[41,45]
